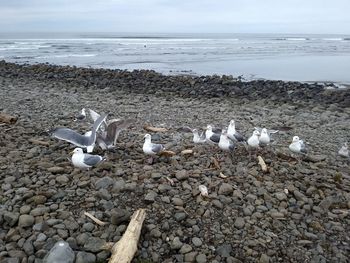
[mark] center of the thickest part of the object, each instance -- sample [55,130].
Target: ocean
[319,58]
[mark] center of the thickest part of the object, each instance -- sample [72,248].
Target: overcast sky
[181,16]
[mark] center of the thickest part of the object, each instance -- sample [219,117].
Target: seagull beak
[71,153]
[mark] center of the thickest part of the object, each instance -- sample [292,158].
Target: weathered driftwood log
[124,250]
[5,118]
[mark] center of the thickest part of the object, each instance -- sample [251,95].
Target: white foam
[68,55]
[333,39]
[296,38]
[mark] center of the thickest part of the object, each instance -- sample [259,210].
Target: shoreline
[193,86]
[297,212]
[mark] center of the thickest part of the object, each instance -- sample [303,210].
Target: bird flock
[105,134]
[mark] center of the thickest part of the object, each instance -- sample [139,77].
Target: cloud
[252,16]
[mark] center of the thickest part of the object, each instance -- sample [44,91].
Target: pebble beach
[298,211]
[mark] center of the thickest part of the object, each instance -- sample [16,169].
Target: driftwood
[167,153]
[38,142]
[262,164]
[97,221]
[154,129]
[221,175]
[187,151]
[5,118]
[215,163]
[124,250]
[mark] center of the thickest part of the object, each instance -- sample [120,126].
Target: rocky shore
[297,212]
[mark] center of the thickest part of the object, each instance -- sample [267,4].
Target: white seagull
[150,148]
[84,141]
[107,139]
[225,143]
[210,136]
[253,141]
[233,134]
[198,138]
[297,146]
[81,116]
[344,151]
[265,135]
[84,160]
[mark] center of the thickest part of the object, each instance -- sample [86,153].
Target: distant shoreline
[150,81]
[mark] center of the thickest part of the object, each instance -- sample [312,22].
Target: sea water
[319,58]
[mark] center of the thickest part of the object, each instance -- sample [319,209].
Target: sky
[176,16]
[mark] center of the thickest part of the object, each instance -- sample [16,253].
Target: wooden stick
[124,250]
[5,118]
[97,221]
[38,142]
[262,164]
[187,151]
[167,153]
[215,163]
[154,129]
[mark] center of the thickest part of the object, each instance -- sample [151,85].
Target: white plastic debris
[203,189]
[61,252]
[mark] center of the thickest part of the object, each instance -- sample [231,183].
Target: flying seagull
[83,141]
[108,138]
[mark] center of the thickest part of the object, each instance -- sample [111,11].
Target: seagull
[233,134]
[253,141]
[344,151]
[297,146]
[81,116]
[94,115]
[108,138]
[198,138]
[265,135]
[210,136]
[225,143]
[150,148]
[83,141]
[84,160]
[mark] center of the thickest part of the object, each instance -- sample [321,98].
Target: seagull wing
[302,146]
[217,130]
[272,131]
[114,128]
[92,160]
[94,115]
[239,137]
[95,127]
[157,148]
[71,136]
[202,136]
[215,138]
